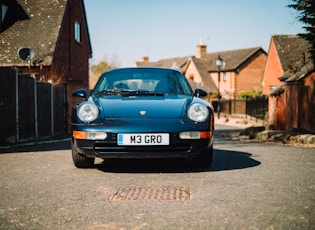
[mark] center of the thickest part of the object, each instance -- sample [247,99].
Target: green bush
[253,93]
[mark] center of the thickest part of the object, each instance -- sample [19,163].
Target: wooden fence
[29,110]
[254,107]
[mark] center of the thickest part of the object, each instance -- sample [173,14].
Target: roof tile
[290,49]
[40,32]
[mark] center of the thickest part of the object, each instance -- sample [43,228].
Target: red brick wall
[71,59]
[251,76]
[273,70]
[307,112]
[295,107]
[309,81]
[312,102]
[279,120]
[291,115]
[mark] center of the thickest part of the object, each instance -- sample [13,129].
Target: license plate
[143,139]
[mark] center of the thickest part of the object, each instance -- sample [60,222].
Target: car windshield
[140,81]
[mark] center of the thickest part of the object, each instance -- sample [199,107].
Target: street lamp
[219,63]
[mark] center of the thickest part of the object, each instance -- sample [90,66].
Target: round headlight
[87,112]
[198,112]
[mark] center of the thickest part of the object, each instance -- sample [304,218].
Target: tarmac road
[249,186]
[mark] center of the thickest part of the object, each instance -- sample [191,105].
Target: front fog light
[96,136]
[89,135]
[196,135]
[189,135]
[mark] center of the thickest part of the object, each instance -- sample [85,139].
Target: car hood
[143,107]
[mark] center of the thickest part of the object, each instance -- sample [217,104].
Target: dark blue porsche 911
[142,113]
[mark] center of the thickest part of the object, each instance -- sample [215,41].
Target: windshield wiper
[141,93]
[128,92]
[112,92]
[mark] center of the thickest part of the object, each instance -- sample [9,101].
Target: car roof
[141,68]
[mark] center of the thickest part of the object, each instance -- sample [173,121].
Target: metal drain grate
[152,194]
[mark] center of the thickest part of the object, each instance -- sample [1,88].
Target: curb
[303,139]
[242,122]
[34,143]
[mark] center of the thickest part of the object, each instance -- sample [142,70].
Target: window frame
[77,31]
[224,76]
[4,10]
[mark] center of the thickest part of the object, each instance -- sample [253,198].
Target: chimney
[145,59]
[201,49]
[303,59]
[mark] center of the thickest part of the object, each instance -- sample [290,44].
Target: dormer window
[77,31]
[4,10]
[11,13]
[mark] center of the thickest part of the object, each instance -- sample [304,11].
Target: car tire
[205,159]
[81,161]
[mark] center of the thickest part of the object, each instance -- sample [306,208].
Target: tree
[96,69]
[99,68]
[306,15]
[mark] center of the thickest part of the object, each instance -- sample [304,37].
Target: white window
[77,31]
[224,76]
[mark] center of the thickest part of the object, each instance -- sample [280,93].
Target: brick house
[284,54]
[57,33]
[243,69]
[289,80]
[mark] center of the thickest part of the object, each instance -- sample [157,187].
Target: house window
[3,11]
[77,31]
[224,76]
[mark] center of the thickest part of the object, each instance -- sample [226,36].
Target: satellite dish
[26,54]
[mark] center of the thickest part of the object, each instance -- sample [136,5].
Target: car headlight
[87,112]
[198,112]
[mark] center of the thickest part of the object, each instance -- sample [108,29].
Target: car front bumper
[109,148]
[177,147]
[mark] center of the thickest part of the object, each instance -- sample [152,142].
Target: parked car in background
[142,113]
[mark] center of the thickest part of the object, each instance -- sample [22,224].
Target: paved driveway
[249,186]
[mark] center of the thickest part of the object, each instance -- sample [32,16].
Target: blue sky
[123,31]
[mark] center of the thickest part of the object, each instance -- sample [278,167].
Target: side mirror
[79,93]
[200,92]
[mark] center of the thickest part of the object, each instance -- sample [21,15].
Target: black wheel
[81,161]
[205,159]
